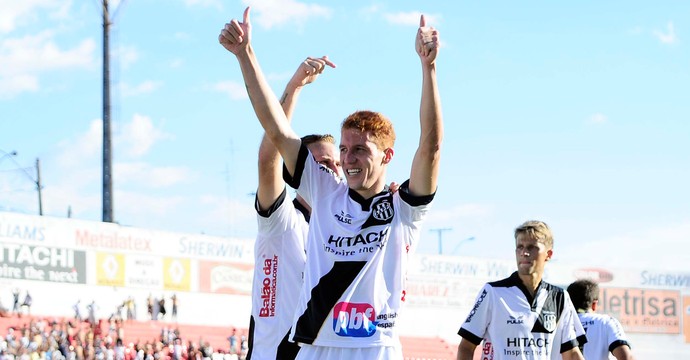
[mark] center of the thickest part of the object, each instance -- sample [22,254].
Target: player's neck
[531,282]
[376,188]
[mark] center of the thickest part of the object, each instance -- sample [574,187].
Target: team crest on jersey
[383,210]
[548,319]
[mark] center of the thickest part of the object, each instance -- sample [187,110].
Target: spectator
[161,307]
[92,312]
[232,340]
[28,300]
[15,305]
[77,311]
[130,308]
[173,300]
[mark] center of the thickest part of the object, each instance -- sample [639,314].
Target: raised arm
[271,183]
[425,165]
[236,38]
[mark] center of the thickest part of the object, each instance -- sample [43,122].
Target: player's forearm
[266,106]
[425,165]
[430,116]
[270,166]
[465,350]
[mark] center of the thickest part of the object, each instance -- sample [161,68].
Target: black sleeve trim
[567,346]
[474,339]
[618,343]
[271,209]
[294,180]
[302,209]
[412,200]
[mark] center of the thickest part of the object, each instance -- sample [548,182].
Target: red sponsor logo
[268,288]
[598,275]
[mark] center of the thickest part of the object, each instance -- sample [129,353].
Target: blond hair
[537,230]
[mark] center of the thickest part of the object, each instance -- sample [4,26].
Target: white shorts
[311,352]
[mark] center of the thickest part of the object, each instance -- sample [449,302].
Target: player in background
[604,333]
[279,250]
[522,316]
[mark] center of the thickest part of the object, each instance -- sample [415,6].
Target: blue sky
[577,114]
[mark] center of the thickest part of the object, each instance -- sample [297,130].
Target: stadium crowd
[85,339]
[64,339]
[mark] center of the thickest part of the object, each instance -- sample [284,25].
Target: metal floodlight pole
[107,147]
[440,231]
[38,187]
[10,155]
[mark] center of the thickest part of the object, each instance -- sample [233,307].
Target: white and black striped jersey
[279,258]
[604,333]
[357,254]
[514,325]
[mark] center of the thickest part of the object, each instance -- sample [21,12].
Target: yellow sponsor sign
[176,274]
[110,269]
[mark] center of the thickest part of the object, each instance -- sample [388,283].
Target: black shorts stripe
[324,297]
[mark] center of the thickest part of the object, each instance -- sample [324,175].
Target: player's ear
[549,254]
[388,155]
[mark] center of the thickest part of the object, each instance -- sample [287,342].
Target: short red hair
[378,125]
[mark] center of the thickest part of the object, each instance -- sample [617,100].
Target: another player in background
[279,250]
[604,333]
[523,317]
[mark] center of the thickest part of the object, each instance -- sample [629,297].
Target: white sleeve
[479,318]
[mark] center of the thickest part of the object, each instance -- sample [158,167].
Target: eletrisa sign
[643,310]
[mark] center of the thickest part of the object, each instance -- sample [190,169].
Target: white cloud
[12,85]
[145,87]
[270,13]
[234,90]
[134,139]
[74,178]
[17,13]
[22,60]
[82,149]
[37,53]
[139,135]
[411,18]
[597,118]
[668,37]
